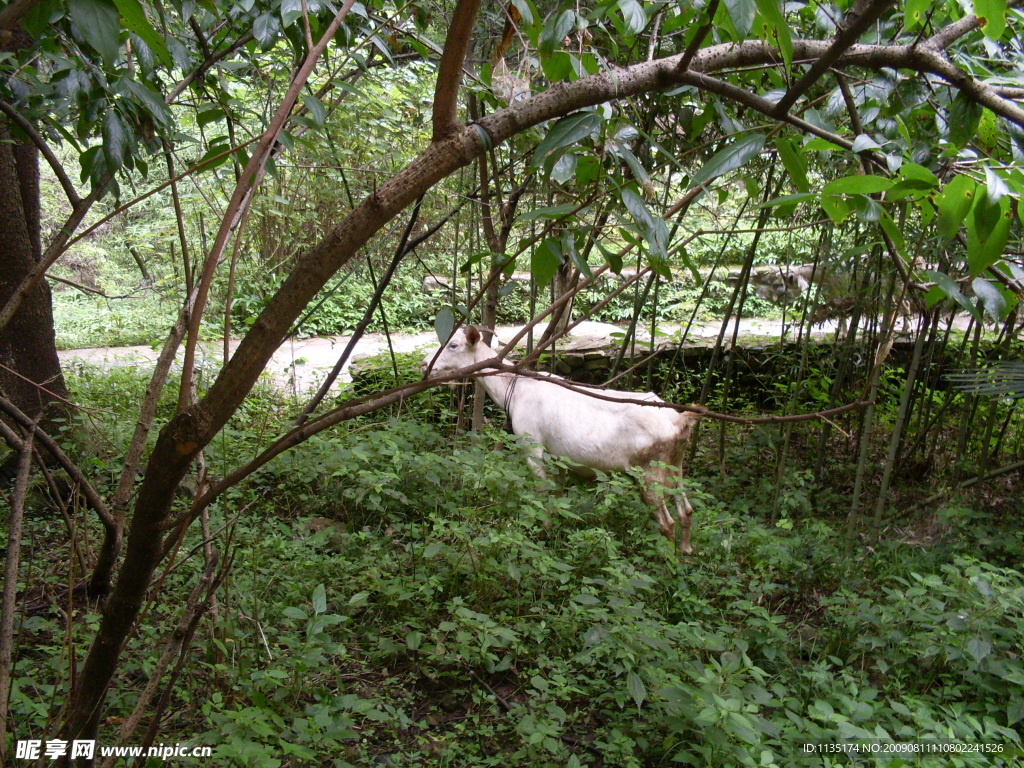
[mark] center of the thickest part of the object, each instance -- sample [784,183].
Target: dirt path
[301,364]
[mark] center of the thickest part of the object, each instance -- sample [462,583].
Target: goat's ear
[472,335]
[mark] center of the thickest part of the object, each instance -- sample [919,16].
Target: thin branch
[55,165]
[64,240]
[694,46]
[949,34]
[10,590]
[94,499]
[205,65]
[499,366]
[974,481]
[175,643]
[53,252]
[400,253]
[242,194]
[759,103]
[49,393]
[849,35]
[82,288]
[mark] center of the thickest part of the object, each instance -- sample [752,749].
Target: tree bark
[31,375]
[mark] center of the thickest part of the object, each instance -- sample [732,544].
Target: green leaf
[907,187]
[637,689]
[995,186]
[613,258]
[913,179]
[588,169]
[551,212]
[569,247]
[822,145]
[564,168]
[789,199]
[290,11]
[772,28]
[558,66]
[953,204]
[794,163]
[994,14]
[893,231]
[134,18]
[413,640]
[988,230]
[631,160]
[913,171]
[654,230]
[317,111]
[265,29]
[835,207]
[525,10]
[867,208]
[555,30]
[857,185]
[115,139]
[979,648]
[444,323]
[742,13]
[545,261]
[914,12]
[634,16]
[732,157]
[207,116]
[1015,711]
[991,298]
[964,116]
[39,16]
[153,102]
[948,288]
[97,21]
[864,142]
[319,599]
[565,132]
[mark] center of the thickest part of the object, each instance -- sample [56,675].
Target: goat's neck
[499,385]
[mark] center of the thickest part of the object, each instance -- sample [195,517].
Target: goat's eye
[453,345]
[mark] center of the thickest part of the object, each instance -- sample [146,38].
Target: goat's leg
[535,461]
[685,513]
[655,498]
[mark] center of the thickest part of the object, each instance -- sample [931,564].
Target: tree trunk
[31,375]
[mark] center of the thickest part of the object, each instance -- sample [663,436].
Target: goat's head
[460,351]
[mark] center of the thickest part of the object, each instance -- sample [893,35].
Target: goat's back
[595,432]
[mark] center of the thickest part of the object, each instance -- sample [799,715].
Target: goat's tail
[687,421]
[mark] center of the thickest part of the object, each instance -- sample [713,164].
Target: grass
[89,321]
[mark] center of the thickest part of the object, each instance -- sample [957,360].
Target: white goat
[590,432]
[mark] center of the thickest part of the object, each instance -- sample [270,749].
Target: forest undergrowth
[402,596]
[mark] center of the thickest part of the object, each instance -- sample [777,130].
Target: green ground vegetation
[403,596]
